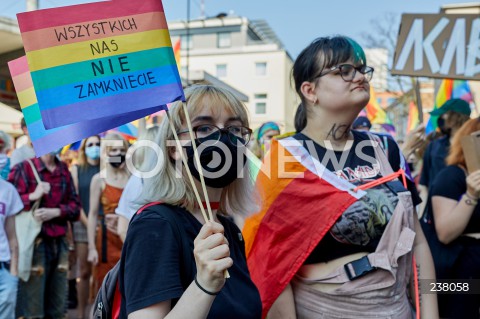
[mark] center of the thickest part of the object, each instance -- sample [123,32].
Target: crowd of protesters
[87,211]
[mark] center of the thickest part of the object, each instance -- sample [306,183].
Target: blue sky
[296,22]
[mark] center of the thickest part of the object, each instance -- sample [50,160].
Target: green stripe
[83,71]
[31,113]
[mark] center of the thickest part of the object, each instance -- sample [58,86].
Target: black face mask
[116,161]
[217,171]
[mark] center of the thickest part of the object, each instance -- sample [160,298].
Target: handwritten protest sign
[44,140]
[97,60]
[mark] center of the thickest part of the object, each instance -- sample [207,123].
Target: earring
[315,100]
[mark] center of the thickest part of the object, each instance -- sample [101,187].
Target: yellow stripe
[27,97]
[81,51]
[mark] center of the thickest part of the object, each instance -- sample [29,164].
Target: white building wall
[241,74]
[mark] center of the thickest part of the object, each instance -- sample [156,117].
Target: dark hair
[22,123]
[322,53]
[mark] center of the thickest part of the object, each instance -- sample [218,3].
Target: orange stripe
[46,38]
[23,81]
[269,188]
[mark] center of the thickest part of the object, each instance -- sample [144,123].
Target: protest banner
[438,46]
[97,60]
[44,140]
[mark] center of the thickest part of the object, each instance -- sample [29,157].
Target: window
[221,70]
[186,42]
[224,40]
[260,103]
[261,68]
[260,108]
[183,71]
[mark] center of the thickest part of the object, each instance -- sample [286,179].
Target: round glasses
[348,71]
[236,134]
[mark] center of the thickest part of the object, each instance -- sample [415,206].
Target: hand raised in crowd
[212,256]
[93,256]
[473,184]
[41,189]
[45,214]
[415,139]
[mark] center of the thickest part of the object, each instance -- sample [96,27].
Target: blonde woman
[152,281]
[104,247]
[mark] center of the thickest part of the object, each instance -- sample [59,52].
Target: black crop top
[357,231]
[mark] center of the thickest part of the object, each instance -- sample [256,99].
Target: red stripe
[47,18]
[147,205]
[299,218]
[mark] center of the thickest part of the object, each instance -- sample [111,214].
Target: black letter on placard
[98,67]
[122,63]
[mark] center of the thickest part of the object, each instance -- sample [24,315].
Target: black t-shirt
[451,183]
[150,270]
[434,159]
[357,170]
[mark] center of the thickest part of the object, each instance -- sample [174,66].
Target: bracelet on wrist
[470,200]
[205,290]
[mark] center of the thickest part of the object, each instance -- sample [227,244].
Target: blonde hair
[166,187]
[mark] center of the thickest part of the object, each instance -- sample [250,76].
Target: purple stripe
[109,105]
[81,130]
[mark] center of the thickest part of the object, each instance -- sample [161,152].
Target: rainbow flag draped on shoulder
[96,60]
[301,200]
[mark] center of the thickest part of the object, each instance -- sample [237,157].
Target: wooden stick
[184,160]
[197,160]
[200,170]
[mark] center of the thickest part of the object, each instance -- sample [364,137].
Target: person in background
[362,123]
[25,151]
[82,174]
[452,114]
[152,280]
[453,199]
[5,144]
[262,138]
[105,247]
[44,294]
[129,202]
[10,205]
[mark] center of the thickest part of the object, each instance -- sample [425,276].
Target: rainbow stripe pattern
[96,60]
[449,89]
[44,140]
[375,113]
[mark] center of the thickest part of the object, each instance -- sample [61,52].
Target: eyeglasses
[348,71]
[93,144]
[236,134]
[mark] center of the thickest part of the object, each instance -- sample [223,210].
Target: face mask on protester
[116,161]
[93,152]
[218,176]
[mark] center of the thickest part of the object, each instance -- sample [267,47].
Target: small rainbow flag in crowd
[375,113]
[449,89]
[96,60]
[413,119]
[291,178]
[44,140]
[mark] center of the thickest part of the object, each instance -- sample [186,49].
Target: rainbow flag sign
[44,140]
[96,60]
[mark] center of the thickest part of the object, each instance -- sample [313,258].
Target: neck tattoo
[339,132]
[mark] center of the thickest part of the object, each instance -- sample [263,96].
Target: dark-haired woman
[362,264]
